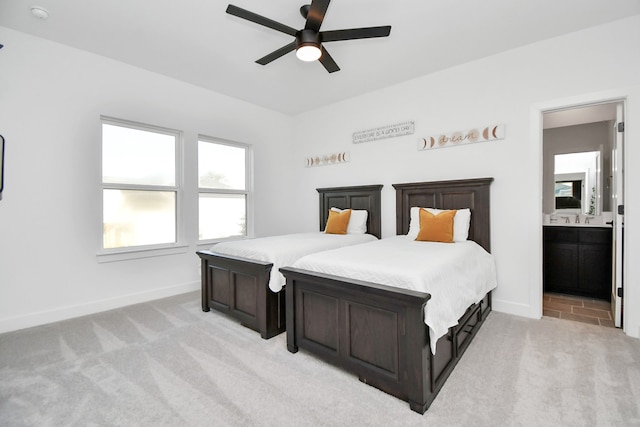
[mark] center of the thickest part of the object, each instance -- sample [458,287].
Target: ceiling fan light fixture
[308,53]
[308,42]
[308,45]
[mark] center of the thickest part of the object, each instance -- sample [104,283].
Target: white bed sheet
[285,249]
[455,274]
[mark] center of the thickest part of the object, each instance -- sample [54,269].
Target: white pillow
[357,221]
[461,222]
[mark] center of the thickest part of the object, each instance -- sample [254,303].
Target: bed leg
[204,295]
[418,407]
[289,290]
[205,305]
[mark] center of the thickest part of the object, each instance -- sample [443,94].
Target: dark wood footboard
[375,331]
[240,288]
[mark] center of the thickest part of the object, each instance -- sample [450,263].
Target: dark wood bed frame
[378,331]
[240,286]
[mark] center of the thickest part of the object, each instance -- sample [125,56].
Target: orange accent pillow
[436,228]
[338,221]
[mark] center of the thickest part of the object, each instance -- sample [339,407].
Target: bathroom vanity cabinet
[578,261]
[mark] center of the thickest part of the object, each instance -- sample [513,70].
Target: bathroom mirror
[573,132]
[578,183]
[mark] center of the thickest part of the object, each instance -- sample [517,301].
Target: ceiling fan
[308,42]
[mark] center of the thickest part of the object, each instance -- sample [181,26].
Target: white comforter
[284,250]
[455,274]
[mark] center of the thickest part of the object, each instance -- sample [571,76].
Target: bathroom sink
[561,221]
[573,224]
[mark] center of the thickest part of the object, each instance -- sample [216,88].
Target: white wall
[510,88]
[51,99]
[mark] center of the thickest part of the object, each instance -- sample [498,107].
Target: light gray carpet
[168,363]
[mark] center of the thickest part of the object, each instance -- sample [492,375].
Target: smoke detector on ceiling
[39,12]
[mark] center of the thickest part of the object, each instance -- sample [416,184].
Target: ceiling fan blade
[260,20]
[316,13]
[277,53]
[355,33]
[328,61]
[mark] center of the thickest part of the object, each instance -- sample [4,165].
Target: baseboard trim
[63,313]
[517,309]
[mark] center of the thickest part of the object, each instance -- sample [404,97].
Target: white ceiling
[197,42]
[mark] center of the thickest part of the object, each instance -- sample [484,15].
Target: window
[223,181]
[140,187]
[568,194]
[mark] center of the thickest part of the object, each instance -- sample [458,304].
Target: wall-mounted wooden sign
[390,131]
[327,159]
[480,134]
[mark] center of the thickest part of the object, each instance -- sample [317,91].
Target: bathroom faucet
[577,218]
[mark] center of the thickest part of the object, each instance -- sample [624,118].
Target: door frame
[536,150]
[617,173]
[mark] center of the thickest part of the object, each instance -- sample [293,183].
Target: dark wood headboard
[366,197]
[457,194]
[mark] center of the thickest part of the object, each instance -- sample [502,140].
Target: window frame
[247,192]
[142,251]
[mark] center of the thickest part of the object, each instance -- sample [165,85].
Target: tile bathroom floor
[579,309]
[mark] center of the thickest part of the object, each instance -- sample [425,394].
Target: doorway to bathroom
[583,212]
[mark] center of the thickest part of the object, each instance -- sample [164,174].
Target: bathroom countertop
[573,224]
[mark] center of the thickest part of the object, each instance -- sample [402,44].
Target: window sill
[136,253]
